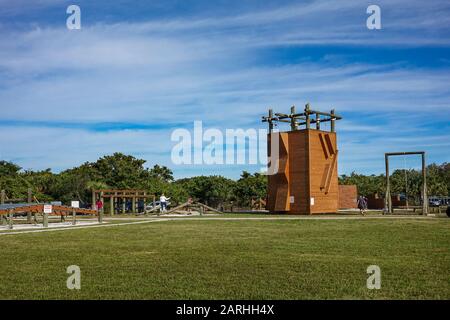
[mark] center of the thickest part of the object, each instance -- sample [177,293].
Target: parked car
[157,204]
[435,203]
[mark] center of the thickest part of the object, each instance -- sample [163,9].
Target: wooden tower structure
[303,175]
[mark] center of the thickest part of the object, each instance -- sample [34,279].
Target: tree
[211,190]
[250,186]
[121,171]
[77,184]
[161,172]
[8,169]
[40,183]
[367,185]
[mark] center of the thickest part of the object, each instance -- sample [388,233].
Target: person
[163,202]
[362,205]
[99,205]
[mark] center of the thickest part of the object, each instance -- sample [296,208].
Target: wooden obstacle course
[7,212]
[121,195]
[306,181]
[388,199]
[188,206]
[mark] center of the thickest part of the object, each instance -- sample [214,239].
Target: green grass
[304,259]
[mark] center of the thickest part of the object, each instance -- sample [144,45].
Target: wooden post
[111,205]
[425,194]
[3,196]
[332,126]
[270,120]
[29,200]
[317,121]
[124,203]
[74,217]
[100,216]
[293,123]
[388,200]
[45,222]
[116,203]
[308,120]
[102,200]
[133,202]
[10,224]
[93,200]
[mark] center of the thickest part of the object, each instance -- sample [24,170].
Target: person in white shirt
[163,202]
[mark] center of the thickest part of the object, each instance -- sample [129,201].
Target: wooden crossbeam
[304,118]
[324,148]
[329,144]
[39,208]
[330,172]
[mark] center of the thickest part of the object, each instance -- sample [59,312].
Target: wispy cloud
[124,85]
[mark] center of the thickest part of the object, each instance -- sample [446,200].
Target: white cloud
[180,70]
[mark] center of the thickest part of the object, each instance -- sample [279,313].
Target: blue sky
[138,70]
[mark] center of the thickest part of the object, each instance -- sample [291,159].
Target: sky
[137,71]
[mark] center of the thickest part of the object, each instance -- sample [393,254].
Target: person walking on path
[362,205]
[163,203]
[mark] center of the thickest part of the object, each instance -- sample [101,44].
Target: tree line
[120,171]
[407,182]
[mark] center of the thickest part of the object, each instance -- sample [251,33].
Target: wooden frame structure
[7,212]
[305,118]
[388,199]
[189,205]
[306,180]
[29,199]
[117,195]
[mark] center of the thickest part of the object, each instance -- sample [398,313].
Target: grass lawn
[303,259]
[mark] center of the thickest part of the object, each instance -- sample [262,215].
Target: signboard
[48,208]
[75,204]
[312,201]
[292,199]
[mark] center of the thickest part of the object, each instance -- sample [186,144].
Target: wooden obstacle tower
[302,175]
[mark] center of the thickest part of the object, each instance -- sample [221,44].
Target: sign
[292,199]
[48,208]
[312,201]
[75,204]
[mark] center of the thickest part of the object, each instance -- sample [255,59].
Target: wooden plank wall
[298,174]
[323,174]
[348,196]
[278,189]
[307,169]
